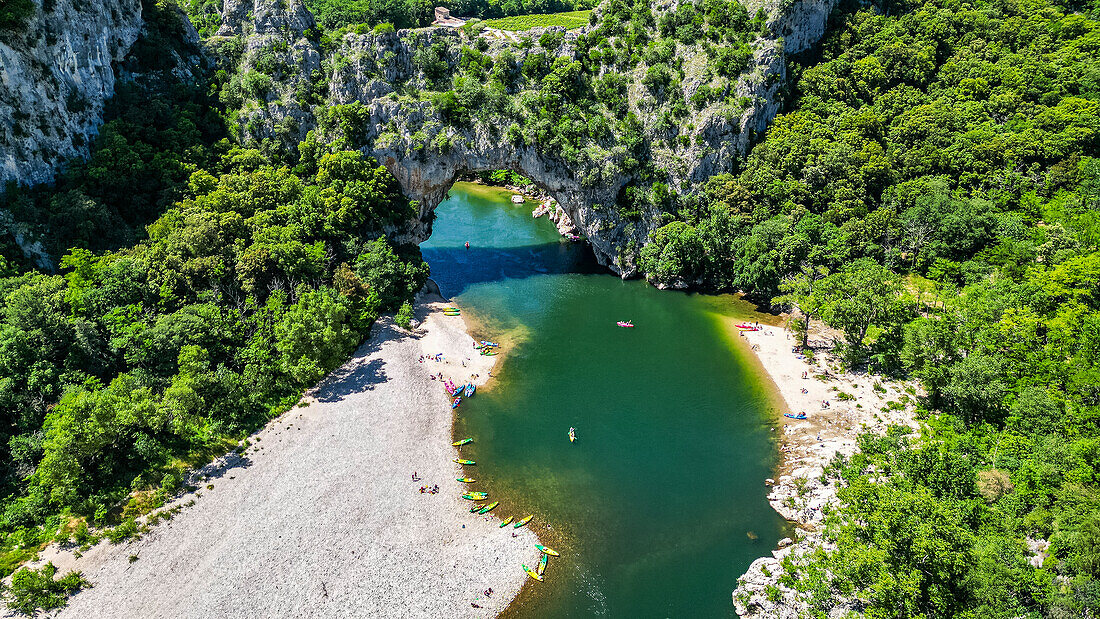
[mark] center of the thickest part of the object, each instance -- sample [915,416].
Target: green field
[570,20]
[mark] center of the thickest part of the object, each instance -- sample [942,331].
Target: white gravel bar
[320,517]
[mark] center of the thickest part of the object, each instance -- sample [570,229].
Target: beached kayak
[470,390]
[462,442]
[546,550]
[542,564]
[799,416]
[523,521]
[532,573]
[507,521]
[465,480]
[490,507]
[476,496]
[465,462]
[476,508]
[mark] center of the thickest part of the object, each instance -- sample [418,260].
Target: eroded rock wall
[426,151]
[56,73]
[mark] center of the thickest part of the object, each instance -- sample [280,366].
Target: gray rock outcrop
[56,73]
[426,152]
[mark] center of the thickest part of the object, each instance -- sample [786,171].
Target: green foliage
[569,20]
[15,13]
[239,299]
[32,591]
[404,315]
[674,252]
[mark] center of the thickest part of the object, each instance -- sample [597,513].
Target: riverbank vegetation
[932,194]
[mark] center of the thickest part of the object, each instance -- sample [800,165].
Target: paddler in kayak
[467,245]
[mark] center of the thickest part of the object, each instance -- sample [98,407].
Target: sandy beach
[320,516]
[857,403]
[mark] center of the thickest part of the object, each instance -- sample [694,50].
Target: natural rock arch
[427,179]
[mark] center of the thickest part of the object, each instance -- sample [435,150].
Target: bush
[34,590]
[15,13]
[404,315]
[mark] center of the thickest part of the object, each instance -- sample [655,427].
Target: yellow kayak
[465,480]
[490,507]
[547,550]
[532,573]
[542,564]
[465,462]
[523,521]
[462,442]
[476,496]
[507,521]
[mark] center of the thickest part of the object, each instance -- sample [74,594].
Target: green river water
[660,504]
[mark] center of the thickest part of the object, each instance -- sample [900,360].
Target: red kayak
[625,324]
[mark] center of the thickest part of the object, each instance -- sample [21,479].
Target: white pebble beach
[320,516]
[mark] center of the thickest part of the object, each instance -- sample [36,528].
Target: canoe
[546,550]
[542,565]
[465,462]
[523,521]
[462,442]
[465,480]
[507,521]
[532,573]
[476,496]
[490,507]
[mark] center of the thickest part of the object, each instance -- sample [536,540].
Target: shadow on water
[456,269]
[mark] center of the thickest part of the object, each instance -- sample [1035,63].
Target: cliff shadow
[455,269]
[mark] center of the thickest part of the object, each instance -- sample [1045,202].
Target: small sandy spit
[320,517]
[808,445]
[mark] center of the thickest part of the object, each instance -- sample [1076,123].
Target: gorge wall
[56,73]
[59,70]
[425,150]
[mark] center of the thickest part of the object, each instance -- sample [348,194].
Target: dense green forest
[931,191]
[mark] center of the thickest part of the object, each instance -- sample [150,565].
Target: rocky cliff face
[55,75]
[426,151]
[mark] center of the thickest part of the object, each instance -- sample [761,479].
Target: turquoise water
[660,504]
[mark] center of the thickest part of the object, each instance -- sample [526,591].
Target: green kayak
[490,507]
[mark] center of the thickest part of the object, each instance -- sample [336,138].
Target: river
[660,504]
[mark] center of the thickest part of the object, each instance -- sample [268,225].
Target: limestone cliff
[56,73]
[426,150]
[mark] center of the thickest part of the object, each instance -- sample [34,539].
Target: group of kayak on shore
[482,507]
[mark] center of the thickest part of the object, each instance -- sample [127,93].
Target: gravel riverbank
[857,403]
[320,517]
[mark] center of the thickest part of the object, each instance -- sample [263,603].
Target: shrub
[404,315]
[34,590]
